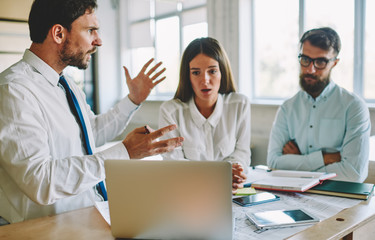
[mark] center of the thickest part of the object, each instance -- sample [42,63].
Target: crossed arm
[291,147]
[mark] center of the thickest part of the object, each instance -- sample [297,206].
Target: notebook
[289,180]
[344,189]
[170,199]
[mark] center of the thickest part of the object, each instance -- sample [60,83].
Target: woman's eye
[195,73]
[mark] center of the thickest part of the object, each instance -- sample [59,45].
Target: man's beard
[316,88]
[74,59]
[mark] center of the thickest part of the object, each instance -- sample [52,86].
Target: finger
[237,166]
[158,133]
[243,176]
[159,81]
[158,74]
[146,65]
[154,68]
[168,143]
[139,130]
[287,148]
[237,185]
[150,130]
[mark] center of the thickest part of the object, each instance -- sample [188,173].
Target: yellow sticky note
[246,191]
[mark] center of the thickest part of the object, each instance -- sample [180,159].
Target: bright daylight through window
[163,30]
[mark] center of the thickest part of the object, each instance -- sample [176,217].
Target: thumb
[127,75]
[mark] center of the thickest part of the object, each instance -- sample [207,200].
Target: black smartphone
[258,198]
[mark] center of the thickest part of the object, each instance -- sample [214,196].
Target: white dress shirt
[224,136]
[336,121]
[43,167]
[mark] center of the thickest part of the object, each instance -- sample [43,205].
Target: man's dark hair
[46,13]
[324,38]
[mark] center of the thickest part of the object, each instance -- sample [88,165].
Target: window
[343,23]
[161,30]
[369,63]
[275,37]
[276,31]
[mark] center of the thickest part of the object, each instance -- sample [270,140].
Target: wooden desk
[358,223]
[83,224]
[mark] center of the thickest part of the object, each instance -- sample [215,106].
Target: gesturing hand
[141,86]
[142,143]
[238,177]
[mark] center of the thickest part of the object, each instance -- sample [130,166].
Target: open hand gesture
[141,86]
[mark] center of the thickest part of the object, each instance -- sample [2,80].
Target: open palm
[141,86]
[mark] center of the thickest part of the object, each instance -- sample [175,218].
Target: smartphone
[281,218]
[258,198]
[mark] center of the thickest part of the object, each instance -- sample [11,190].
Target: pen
[262,167]
[147,131]
[247,185]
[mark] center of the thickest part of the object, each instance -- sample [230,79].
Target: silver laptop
[170,199]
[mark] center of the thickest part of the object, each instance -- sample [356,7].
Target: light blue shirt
[336,121]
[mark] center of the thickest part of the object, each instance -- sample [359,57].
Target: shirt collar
[42,67]
[199,119]
[327,91]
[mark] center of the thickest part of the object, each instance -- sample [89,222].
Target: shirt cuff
[316,160]
[117,152]
[126,106]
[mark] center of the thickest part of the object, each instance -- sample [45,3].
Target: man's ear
[58,33]
[335,62]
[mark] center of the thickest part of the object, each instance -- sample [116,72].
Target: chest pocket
[331,133]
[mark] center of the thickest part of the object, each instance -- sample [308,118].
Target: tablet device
[256,199]
[281,218]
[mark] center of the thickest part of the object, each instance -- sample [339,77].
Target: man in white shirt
[44,166]
[323,127]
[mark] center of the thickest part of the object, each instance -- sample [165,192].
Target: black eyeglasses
[319,63]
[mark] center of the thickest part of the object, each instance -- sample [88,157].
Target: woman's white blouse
[224,136]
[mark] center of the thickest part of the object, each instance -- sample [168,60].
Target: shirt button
[310,146]
[314,106]
[311,126]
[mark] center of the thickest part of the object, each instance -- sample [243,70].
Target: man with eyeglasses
[323,127]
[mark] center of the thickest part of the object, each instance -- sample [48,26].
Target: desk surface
[87,223]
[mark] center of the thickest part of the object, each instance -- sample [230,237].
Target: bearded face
[313,84]
[78,58]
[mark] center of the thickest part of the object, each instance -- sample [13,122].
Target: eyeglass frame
[315,59]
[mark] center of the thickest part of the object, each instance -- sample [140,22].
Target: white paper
[103,208]
[321,206]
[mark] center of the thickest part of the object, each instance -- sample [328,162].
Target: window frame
[358,79]
[153,19]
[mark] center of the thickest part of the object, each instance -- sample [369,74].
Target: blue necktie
[74,107]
